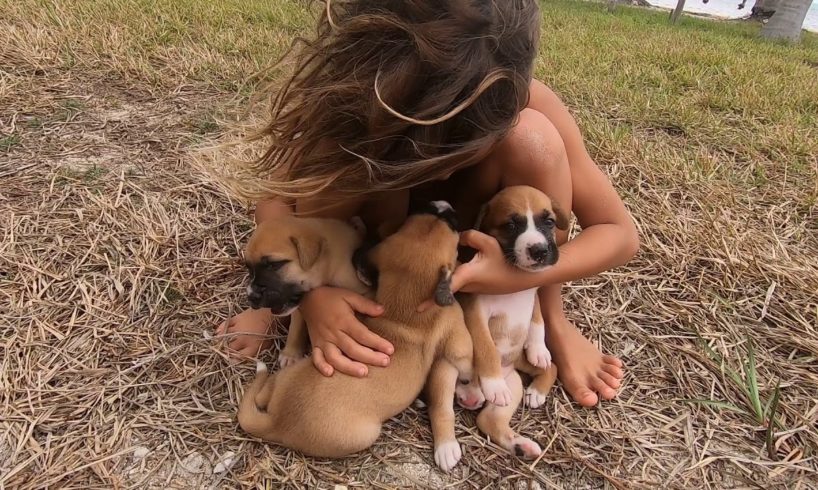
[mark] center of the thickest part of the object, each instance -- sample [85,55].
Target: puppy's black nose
[538,252]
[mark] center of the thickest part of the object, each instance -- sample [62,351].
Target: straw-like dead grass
[116,260]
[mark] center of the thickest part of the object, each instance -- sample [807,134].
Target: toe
[613,370]
[248,352]
[608,359]
[584,396]
[237,344]
[605,391]
[609,380]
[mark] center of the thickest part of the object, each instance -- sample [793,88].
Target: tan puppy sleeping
[289,256]
[340,415]
[507,330]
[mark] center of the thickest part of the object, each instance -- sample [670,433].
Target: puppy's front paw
[447,454]
[469,396]
[286,359]
[496,391]
[538,355]
[534,398]
[525,448]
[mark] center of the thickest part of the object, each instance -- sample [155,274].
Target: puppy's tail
[253,416]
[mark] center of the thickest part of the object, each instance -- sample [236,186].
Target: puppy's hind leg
[541,383]
[263,395]
[295,346]
[252,415]
[440,393]
[494,422]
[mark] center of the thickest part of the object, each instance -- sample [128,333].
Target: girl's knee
[533,146]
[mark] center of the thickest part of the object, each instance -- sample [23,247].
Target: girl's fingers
[477,240]
[342,363]
[364,336]
[320,362]
[358,352]
[461,276]
[460,279]
[363,305]
[222,328]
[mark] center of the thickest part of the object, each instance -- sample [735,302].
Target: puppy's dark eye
[511,227]
[549,222]
[271,264]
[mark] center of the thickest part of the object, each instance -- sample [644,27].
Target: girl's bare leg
[534,154]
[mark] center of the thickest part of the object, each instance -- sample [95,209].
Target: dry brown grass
[116,259]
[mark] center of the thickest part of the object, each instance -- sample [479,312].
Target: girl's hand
[338,338]
[487,273]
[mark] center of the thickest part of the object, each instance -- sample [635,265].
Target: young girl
[400,99]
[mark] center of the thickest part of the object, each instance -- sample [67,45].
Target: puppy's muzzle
[542,254]
[281,301]
[538,256]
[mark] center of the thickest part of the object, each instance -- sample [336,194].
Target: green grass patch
[9,142]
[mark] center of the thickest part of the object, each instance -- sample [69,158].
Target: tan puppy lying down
[522,219]
[289,256]
[340,415]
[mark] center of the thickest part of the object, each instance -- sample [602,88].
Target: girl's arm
[608,238]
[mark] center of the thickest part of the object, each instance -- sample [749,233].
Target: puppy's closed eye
[270,263]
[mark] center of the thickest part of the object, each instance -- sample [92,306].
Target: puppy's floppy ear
[309,248]
[443,290]
[364,268]
[562,217]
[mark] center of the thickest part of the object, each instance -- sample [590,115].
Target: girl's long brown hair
[390,94]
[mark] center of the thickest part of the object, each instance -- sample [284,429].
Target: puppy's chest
[509,319]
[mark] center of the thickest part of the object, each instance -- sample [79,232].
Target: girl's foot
[256,324]
[585,373]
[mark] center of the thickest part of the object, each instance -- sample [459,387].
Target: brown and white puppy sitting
[339,415]
[289,256]
[522,219]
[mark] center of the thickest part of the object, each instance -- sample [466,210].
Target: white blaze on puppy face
[530,236]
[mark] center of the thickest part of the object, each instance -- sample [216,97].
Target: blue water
[728,9]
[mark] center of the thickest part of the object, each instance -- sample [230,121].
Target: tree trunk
[611,5]
[787,21]
[677,12]
[764,9]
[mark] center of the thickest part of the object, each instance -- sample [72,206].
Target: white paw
[260,367]
[538,355]
[469,396]
[285,360]
[533,397]
[525,448]
[496,391]
[447,455]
